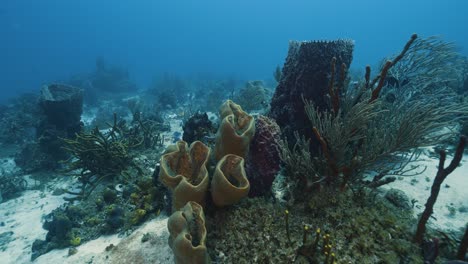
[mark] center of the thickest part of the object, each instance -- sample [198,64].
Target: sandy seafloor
[21,219]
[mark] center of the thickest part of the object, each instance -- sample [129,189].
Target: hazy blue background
[46,40]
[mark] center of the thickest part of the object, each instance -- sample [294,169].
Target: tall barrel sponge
[306,73]
[62,105]
[188,235]
[184,172]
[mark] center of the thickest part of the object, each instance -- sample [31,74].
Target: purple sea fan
[263,162]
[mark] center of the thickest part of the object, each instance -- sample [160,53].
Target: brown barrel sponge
[188,235]
[235,132]
[229,183]
[184,172]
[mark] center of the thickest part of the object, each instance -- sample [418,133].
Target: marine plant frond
[346,128]
[299,163]
[430,66]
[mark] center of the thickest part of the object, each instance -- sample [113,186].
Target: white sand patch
[88,116]
[451,207]
[24,217]
[213,117]
[130,249]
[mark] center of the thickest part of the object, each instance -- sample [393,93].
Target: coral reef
[111,78]
[361,227]
[170,91]
[31,158]
[354,136]
[105,82]
[184,172]
[263,162]
[11,185]
[59,235]
[254,96]
[213,93]
[305,74]
[18,119]
[325,206]
[109,209]
[235,132]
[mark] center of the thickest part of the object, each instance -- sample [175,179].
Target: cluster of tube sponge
[184,171]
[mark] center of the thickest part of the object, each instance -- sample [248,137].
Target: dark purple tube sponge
[263,162]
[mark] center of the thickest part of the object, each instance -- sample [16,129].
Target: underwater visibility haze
[233,131]
[50,40]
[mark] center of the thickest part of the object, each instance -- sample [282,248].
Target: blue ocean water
[48,40]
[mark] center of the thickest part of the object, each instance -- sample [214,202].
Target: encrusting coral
[364,229]
[184,172]
[188,235]
[235,132]
[229,183]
